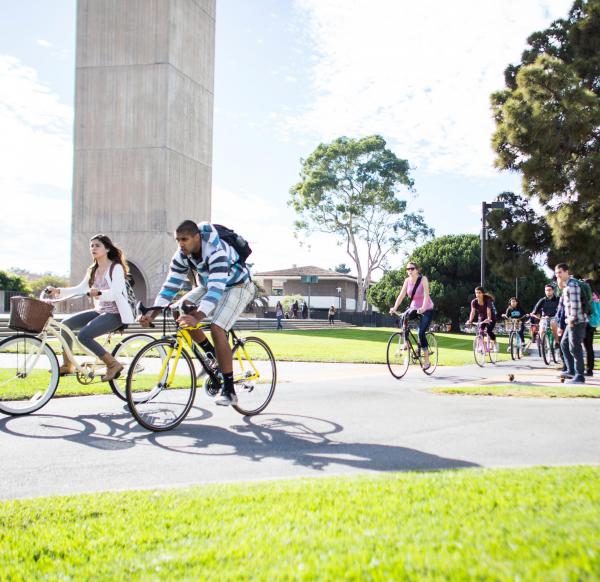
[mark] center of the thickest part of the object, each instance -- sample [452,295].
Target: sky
[289,75]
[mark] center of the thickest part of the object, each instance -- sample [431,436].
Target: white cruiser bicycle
[29,368]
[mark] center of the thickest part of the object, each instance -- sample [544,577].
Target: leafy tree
[44,281]
[342,268]
[517,236]
[548,128]
[452,265]
[288,300]
[9,282]
[349,188]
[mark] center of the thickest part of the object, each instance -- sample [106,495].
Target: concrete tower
[143,128]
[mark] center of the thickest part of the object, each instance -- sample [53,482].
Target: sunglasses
[410,268]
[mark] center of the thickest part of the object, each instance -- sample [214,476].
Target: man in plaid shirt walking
[576,320]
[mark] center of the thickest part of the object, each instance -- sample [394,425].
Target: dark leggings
[588,344]
[489,327]
[91,325]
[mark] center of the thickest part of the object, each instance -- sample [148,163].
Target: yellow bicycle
[161,382]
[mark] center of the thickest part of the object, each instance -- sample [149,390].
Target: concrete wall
[143,127]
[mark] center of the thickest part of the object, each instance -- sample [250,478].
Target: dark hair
[187,227]
[115,254]
[485,295]
[562,266]
[549,285]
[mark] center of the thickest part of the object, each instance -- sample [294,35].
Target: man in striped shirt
[224,288]
[572,341]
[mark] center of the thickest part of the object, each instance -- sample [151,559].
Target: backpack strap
[414,291]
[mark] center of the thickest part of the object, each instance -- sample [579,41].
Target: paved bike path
[325,419]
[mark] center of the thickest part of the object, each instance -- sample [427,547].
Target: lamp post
[339,292]
[485,206]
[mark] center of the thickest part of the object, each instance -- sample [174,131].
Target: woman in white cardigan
[105,283]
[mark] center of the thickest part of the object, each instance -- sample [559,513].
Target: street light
[339,292]
[485,206]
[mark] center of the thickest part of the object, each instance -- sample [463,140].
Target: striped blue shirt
[217,268]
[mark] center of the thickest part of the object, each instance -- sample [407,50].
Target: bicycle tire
[125,351]
[492,353]
[155,406]
[546,352]
[511,345]
[397,359]
[433,353]
[23,392]
[557,354]
[253,395]
[479,350]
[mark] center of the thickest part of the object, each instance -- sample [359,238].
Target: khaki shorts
[231,305]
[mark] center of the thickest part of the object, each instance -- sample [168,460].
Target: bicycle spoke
[28,374]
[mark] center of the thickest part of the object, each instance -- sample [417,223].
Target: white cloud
[44,43]
[419,73]
[36,174]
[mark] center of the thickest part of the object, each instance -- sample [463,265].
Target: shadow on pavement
[302,440]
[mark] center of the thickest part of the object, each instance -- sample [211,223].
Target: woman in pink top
[416,286]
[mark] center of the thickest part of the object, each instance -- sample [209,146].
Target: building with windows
[324,287]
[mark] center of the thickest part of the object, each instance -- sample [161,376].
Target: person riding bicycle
[416,286]
[514,310]
[105,284]
[224,289]
[547,307]
[483,307]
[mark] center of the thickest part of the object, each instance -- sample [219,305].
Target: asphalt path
[325,419]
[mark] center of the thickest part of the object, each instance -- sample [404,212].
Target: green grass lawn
[526,524]
[526,390]
[361,345]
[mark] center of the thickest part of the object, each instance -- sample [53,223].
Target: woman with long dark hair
[105,284]
[483,307]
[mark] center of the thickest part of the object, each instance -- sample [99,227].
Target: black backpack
[237,241]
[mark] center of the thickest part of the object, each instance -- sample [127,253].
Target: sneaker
[566,375]
[589,373]
[227,398]
[579,379]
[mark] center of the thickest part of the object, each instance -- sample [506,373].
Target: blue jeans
[423,324]
[91,325]
[572,348]
[279,326]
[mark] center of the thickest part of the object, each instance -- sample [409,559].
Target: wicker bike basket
[28,314]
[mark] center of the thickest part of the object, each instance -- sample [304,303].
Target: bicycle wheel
[557,354]
[160,388]
[433,353]
[28,374]
[546,350]
[512,345]
[479,350]
[254,375]
[491,352]
[125,351]
[398,355]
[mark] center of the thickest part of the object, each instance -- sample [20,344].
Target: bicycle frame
[53,329]
[183,337]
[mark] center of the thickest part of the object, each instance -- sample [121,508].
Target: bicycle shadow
[310,442]
[104,430]
[304,441]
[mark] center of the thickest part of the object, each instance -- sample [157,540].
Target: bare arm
[400,297]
